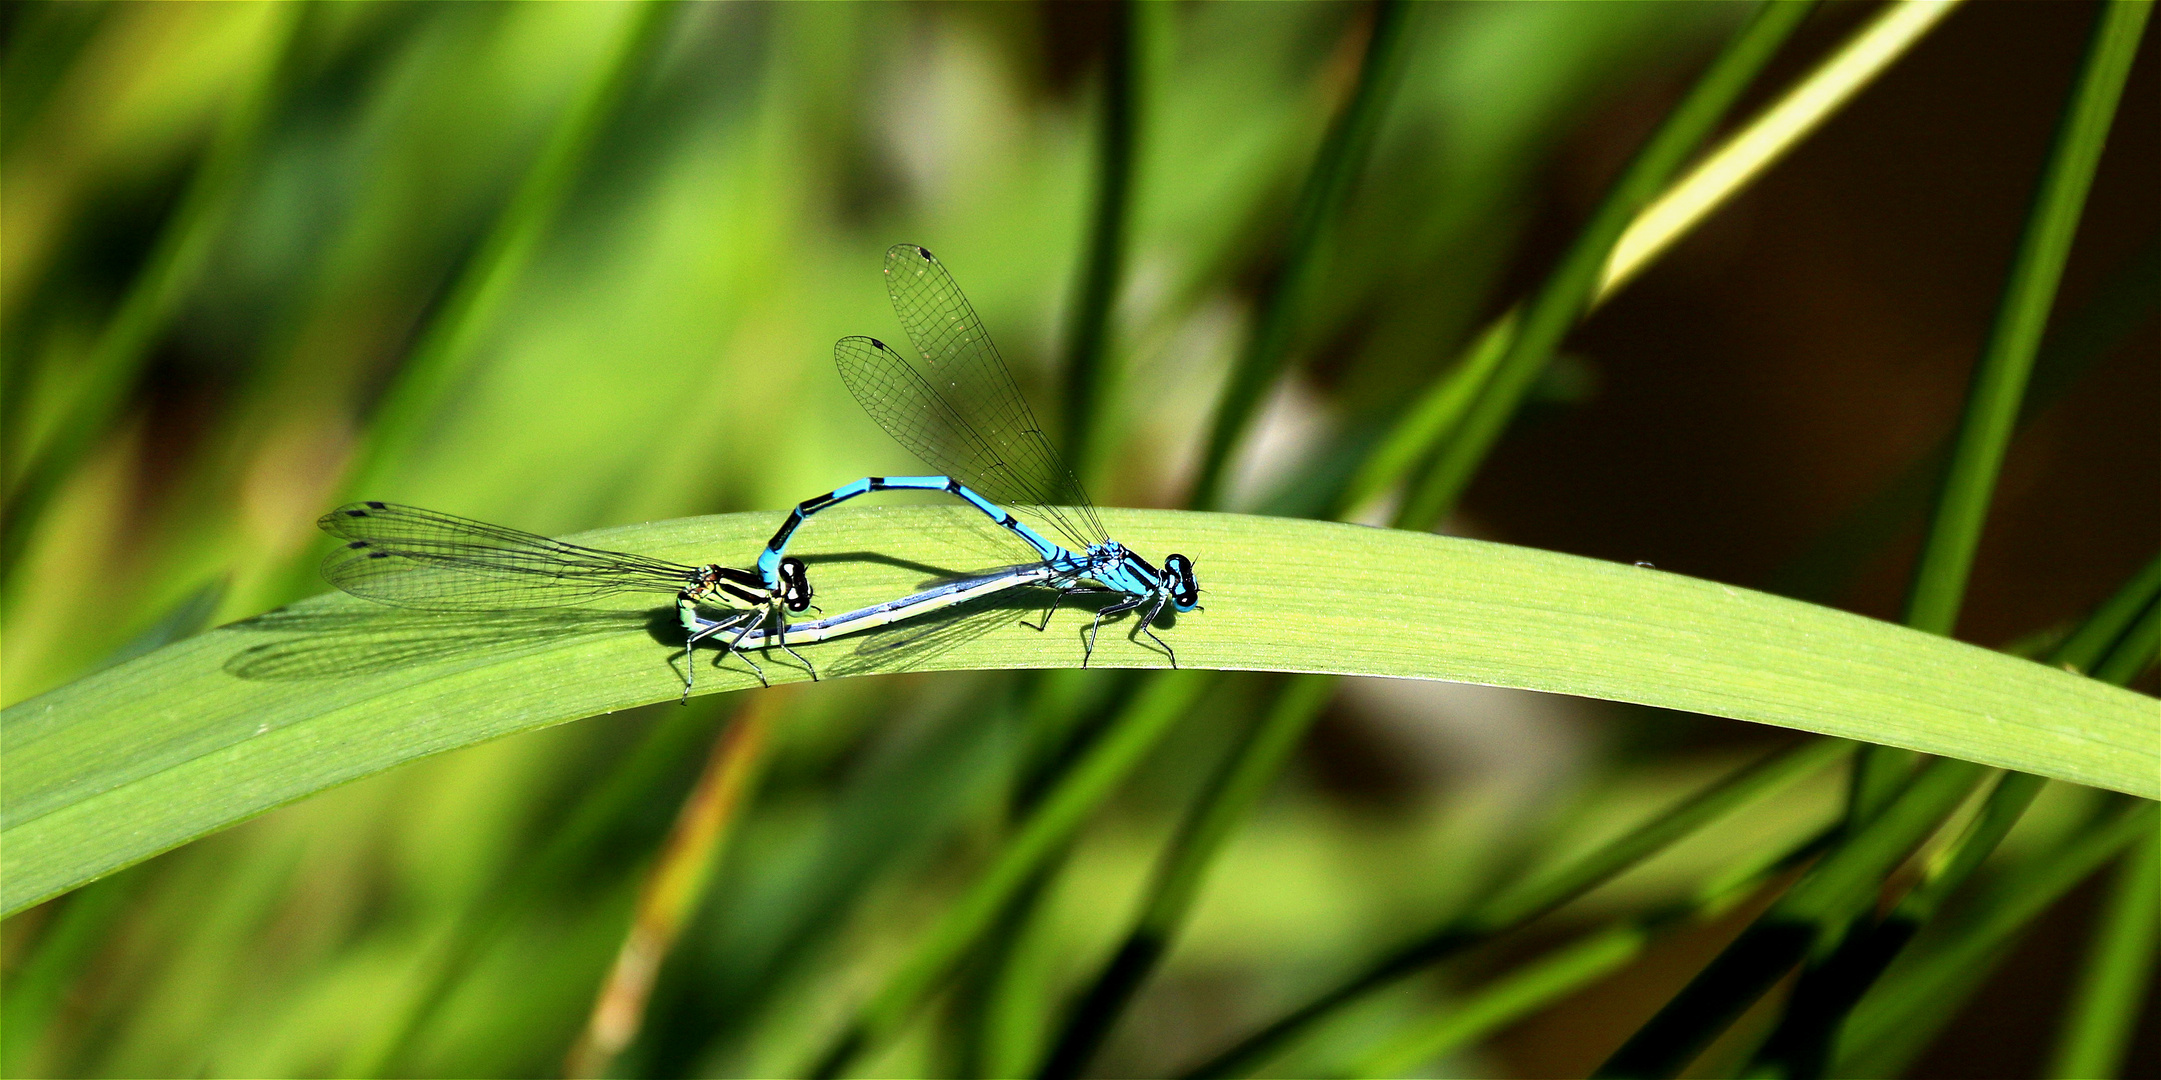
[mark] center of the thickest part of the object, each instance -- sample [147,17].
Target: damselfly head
[1178,577]
[794,584]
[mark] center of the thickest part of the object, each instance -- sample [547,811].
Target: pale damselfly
[407,557]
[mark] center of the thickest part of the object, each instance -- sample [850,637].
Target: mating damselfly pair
[954,404]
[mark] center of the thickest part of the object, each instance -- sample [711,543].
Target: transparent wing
[409,557]
[955,404]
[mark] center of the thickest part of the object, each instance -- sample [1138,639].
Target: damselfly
[413,558]
[958,408]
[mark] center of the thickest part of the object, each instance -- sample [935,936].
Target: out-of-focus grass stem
[1573,966]
[39,982]
[495,911]
[1006,985]
[2104,1009]
[1803,922]
[1520,903]
[43,45]
[2094,641]
[1168,698]
[446,346]
[1089,335]
[1438,412]
[173,268]
[1801,1046]
[1520,992]
[1999,379]
[2139,649]
[1239,783]
[1335,168]
[1902,1013]
[1568,291]
[675,885]
[1884,778]
[1754,149]
[2072,348]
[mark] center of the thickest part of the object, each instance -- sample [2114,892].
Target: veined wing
[409,557]
[955,404]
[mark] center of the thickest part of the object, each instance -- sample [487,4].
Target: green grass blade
[1335,167]
[763,937]
[2005,805]
[1802,922]
[138,758]
[1010,990]
[1088,337]
[37,985]
[1430,419]
[1830,987]
[1004,991]
[1237,785]
[42,45]
[646,773]
[1916,997]
[1568,290]
[2094,642]
[189,617]
[1038,840]
[1753,150]
[2137,650]
[1511,997]
[1999,381]
[1722,175]
[2080,341]
[1529,899]
[2104,1008]
[675,885]
[1832,983]
[1571,967]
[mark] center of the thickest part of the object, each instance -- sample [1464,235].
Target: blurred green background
[560,266]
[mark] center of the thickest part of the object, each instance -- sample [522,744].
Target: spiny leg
[686,611]
[1147,626]
[781,621]
[748,623]
[1069,590]
[1118,608]
[735,646]
[1048,611]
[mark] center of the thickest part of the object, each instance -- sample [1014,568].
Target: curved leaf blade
[139,758]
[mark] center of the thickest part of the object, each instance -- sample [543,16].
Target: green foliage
[572,266]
